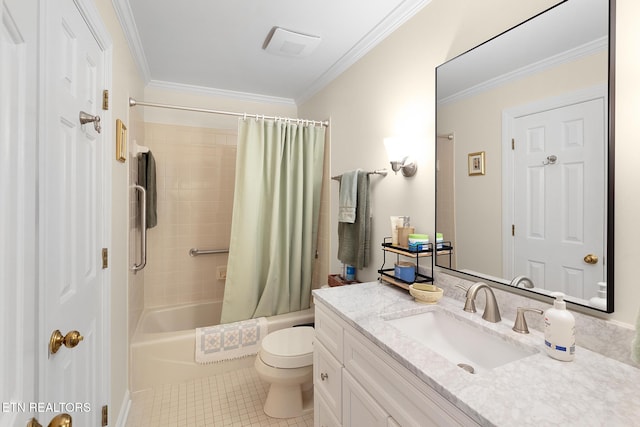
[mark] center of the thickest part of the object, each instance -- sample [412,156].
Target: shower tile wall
[195,170]
[136,281]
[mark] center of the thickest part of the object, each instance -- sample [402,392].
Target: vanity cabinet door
[360,385]
[359,408]
[323,414]
[327,379]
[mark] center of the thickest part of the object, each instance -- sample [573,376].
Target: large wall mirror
[524,181]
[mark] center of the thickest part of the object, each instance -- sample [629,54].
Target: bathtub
[163,346]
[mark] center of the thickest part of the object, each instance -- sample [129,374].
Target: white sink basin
[461,341]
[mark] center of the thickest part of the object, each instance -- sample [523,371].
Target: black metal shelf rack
[387,274]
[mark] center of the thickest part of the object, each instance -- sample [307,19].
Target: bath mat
[230,341]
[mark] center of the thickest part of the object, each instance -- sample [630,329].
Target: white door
[18,121]
[559,197]
[72,215]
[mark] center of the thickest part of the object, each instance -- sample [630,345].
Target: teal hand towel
[348,197]
[354,239]
[147,179]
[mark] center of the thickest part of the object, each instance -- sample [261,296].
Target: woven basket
[337,280]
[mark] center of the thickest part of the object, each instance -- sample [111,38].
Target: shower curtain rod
[133,103]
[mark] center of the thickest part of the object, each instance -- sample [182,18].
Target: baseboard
[124,410]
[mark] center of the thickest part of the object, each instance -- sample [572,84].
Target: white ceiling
[217,45]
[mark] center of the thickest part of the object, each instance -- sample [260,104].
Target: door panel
[72,211]
[18,59]
[558,206]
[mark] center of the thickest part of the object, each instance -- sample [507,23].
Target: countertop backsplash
[609,338]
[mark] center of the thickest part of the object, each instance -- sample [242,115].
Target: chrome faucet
[520,324]
[521,279]
[491,311]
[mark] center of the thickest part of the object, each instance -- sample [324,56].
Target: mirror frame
[610,209]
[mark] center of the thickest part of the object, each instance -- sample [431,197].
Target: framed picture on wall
[476,163]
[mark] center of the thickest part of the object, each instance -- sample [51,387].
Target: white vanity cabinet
[374,389]
[327,370]
[327,384]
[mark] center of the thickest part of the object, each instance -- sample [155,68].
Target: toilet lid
[288,348]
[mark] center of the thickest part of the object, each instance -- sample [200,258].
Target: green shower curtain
[275,218]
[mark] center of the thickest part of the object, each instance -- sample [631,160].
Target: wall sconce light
[399,157]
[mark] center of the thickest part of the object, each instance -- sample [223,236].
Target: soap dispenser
[559,330]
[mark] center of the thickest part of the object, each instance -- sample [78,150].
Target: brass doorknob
[57,340]
[591,259]
[61,420]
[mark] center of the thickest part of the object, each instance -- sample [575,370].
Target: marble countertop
[593,390]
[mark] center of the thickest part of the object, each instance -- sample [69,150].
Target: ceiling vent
[290,43]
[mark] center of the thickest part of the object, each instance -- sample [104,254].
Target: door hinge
[513,229]
[105,99]
[105,415]
[513,143]
[105,258]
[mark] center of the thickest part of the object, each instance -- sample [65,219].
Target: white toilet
[285,361]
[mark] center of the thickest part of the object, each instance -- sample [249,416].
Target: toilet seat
[288,348]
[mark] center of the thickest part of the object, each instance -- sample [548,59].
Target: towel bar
[196,251]
[382,172]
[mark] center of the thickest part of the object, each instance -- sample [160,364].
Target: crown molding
[402,13]
[553,61]
[128,24]
[207,91]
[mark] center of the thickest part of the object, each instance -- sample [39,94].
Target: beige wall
[627,227]
[321,267]
[368,101]
[390,92]
[126,82]
[476,122]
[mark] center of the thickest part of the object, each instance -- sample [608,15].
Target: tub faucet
[526,282]
[491,311]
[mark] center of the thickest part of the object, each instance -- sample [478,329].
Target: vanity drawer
[327,379]
[329,332]
[407,399]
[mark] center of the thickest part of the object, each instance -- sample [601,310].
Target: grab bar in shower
[196,251]
[143,220]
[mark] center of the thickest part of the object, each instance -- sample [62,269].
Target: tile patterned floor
[232,399]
